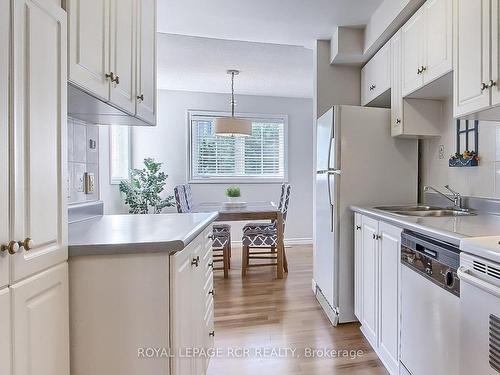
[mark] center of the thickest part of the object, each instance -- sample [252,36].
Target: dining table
[266,210]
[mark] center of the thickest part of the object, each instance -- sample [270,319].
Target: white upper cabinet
[4,141]
[396,94]
[412,53]
[472,56]
[146,61]
[123,54]
[40,323]
[427,45]
[113,53]
[438,42]
[89,45]
[38,202]
[376,76]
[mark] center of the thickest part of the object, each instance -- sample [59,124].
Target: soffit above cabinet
[383,24]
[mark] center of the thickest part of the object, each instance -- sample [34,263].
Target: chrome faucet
[457,198]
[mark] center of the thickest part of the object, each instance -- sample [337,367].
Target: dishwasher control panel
[434,260]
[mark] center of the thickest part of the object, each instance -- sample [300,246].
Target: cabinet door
[375,76]
[39,184]
[89,45]
[412,46]
[4,139]
[358,268]
[123,54]
[472,56]
[181,309]
[40,322]
[390,250]
[146,61]
[396,94]
[495,52]
[438,39]
[5,359]
[367,83]
[370,282]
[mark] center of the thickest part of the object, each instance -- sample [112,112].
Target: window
[119,153]
[258,158]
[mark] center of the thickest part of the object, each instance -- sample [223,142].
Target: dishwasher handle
[465,276]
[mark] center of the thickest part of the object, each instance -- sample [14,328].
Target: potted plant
[233,193]
[143,191]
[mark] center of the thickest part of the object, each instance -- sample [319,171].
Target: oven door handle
[465,276]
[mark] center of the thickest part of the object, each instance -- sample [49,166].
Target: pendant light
[233,126]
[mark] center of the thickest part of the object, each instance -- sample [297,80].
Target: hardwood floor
[262,313]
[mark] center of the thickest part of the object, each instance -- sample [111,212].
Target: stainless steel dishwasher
[430,309]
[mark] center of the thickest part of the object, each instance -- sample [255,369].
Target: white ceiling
[293,22]
[200,64]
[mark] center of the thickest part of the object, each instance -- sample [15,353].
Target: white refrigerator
[357,163]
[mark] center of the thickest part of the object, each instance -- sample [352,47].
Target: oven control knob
[449,279]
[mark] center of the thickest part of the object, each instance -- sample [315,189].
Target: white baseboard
[288,241]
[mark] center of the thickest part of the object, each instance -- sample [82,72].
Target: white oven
[479,315]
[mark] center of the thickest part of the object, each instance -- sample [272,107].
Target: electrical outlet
[441,151]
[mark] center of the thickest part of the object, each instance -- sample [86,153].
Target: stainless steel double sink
[425,211]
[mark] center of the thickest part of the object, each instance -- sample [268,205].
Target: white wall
[481,181]
[168,143]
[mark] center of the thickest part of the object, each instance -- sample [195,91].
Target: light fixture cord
[232,94]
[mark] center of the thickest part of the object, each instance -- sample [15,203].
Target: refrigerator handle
[330,175]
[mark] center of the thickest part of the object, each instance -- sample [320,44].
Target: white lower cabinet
[191,316]
[40,323]
[5,358]
[377,274]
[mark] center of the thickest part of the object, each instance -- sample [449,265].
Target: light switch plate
[441,151]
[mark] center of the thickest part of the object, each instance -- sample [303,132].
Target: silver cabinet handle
[398,121]
[358,227]
[195,261]
[110,76]
[484,86]
[140,97]
[491,83]
[212,292]
[211,334]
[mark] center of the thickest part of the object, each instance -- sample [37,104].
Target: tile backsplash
[482,181]
[83,158]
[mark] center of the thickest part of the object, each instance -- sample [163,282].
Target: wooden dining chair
[221,233]
[264,236]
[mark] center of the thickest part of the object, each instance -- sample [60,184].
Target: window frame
[238,179]
[112,180]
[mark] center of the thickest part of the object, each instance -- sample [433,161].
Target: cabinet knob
[116,80]
[484,86]
[419,71]
[140,97]
[398,121]
[358,227]
[27,244]
[11,248]
[491,83]
[195,261]
[211,334]
[110,76]
[211,264]
[212,292]
[211,237]
[424,68]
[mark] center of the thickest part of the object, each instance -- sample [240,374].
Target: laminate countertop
[128,234]
[448,229]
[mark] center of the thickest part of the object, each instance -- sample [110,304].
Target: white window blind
[262,156]
[119,153]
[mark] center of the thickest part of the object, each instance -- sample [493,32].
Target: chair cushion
[220,240]
[259,227]
[260,239]
[221,228]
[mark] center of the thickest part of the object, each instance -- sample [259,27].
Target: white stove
[479,274]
